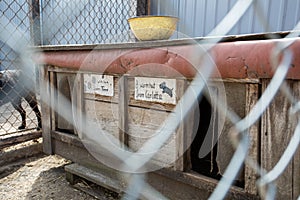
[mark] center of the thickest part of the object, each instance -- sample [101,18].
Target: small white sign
[99,84]
[155,90]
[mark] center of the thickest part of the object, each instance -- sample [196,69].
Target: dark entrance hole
[207,124]
[206,165]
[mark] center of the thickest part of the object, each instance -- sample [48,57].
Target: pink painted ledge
[237,60]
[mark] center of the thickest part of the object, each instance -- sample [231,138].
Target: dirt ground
[43,177]
[28,174]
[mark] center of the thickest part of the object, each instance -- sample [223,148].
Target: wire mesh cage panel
[89,22]
[57,22]
[54,22]
[16,113]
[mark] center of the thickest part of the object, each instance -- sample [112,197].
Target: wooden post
[183,132]
[296,160]
[53,100]
[276,130]
[78,101]
[46,109]
[123,111]
[296,175]
[252,96]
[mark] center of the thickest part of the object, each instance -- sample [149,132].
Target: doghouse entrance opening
[207,137]
[206,165]
[65,86]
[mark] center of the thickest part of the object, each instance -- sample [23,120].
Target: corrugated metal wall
[199,17]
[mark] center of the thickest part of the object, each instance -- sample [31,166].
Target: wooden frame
[277,128]
[250,80]
[124,100]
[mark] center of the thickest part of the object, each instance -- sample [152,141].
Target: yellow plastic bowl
[153,27]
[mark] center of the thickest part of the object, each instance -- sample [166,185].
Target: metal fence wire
[12,94]
[93,22]
[55,22]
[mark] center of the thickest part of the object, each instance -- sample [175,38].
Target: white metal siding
[199,17]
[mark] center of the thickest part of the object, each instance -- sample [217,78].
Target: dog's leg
[32,101]
[19,108]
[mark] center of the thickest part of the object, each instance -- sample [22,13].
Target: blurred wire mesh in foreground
[76,22]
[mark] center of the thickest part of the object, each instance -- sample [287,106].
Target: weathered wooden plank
[252,96]
[296,160]
[144,119]
[78,102]
[277,128]
[236,102]
[95,177]
[69,139]
[296,175]
[178,185]
[123,111]
[19,139]
[45,109]
[70,147]
[172,184]
[58,69]
[142,126]
[144,122]
[183,131]
[19,153]
[53,100]
[234,80]
[104,113]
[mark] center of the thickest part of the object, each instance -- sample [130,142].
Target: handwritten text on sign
[99,84]
[155,89]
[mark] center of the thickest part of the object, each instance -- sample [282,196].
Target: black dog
[166,89]
[12,89]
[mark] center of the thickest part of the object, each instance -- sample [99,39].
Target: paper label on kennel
[99,84]
[155,90]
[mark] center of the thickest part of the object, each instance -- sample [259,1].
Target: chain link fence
[13,108]
[55,22]
[79,22]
